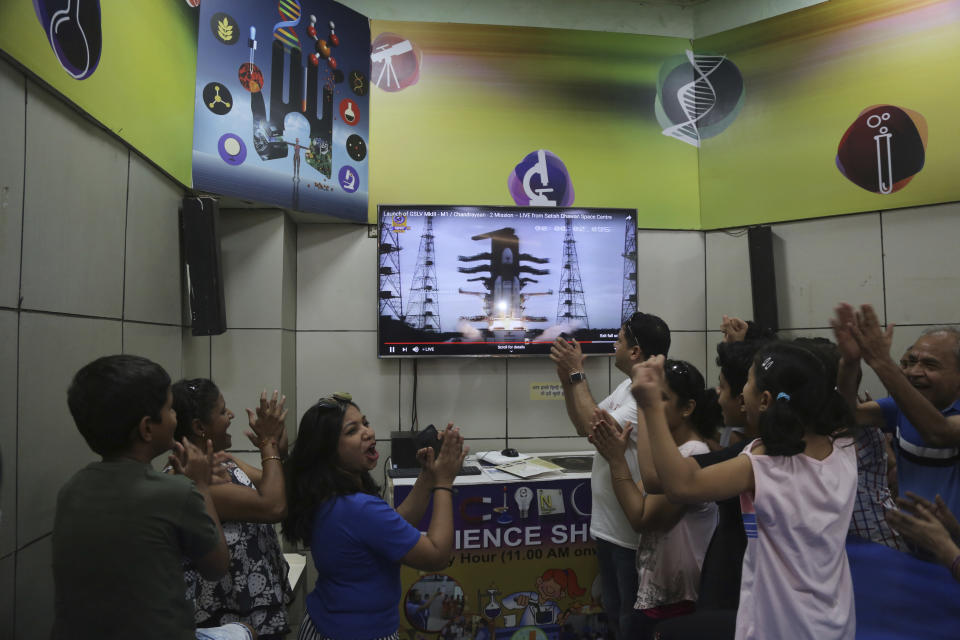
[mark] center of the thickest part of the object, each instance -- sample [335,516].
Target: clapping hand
[917,522]
[843,323]
[267,422]
[607,436]
[187,459]
[938,508]
[874,340]
[442,469]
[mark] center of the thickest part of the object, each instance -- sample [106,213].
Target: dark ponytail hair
[193,400]
[804,396]
[312,472]
[687,384]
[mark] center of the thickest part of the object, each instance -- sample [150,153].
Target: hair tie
[783,396]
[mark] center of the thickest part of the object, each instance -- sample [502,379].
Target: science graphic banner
[282,112]
[509,116]
[524,566]
[130,65]
[850,106]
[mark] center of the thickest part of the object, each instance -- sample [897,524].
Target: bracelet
[450,489]
[277,458]
[954,565]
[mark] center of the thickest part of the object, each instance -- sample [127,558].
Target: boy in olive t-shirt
[121,528]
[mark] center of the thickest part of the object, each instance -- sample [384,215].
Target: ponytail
[782,429]
[804,397]
[706,414]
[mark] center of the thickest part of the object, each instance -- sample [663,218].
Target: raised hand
[568,356]
[843,323]
[267,422]
[873,339]
[610,441]
[443,468]
[647,385]
[187,459]
[733,329]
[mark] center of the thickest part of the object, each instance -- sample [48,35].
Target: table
[524,566]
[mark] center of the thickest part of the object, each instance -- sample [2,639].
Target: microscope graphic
[539,169]
[503,302]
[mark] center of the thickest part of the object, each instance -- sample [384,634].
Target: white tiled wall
[252,256]
[8,431]
[922,264]
[152,264]
[49,448]
[670,270]
[728,268]
[822,262]
[100,275]
[13,108]
[75,205]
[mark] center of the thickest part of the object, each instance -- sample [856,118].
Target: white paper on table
[497,458]
[530,467]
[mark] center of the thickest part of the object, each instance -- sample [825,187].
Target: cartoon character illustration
[418,608]
[540,606]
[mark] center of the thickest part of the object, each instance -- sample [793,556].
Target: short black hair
[734,360]
[110,396]
[649,332]
[758,332]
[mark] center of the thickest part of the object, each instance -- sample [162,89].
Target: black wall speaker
[763,281]
[200,250]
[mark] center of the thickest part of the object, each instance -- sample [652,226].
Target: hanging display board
[282,110]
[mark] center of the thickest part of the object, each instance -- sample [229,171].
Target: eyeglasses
[333,401]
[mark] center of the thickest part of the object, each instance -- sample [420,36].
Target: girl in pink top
[797,484]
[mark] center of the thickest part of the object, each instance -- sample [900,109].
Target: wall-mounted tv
[502,281]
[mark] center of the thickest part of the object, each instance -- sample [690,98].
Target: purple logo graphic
[541,180]
[232,149]
[349,179]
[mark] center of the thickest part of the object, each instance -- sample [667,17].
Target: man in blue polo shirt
[923,410]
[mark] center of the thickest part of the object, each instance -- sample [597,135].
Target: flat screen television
[502,281]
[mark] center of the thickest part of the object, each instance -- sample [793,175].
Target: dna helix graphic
[696,98]
[283,31]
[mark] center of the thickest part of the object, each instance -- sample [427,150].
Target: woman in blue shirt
[357,541]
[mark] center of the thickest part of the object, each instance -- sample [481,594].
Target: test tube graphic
[884,152]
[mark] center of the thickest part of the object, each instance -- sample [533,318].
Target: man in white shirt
[640,337]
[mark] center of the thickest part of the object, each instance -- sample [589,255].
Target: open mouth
[371,453]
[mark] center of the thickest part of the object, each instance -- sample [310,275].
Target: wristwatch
[577,376]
